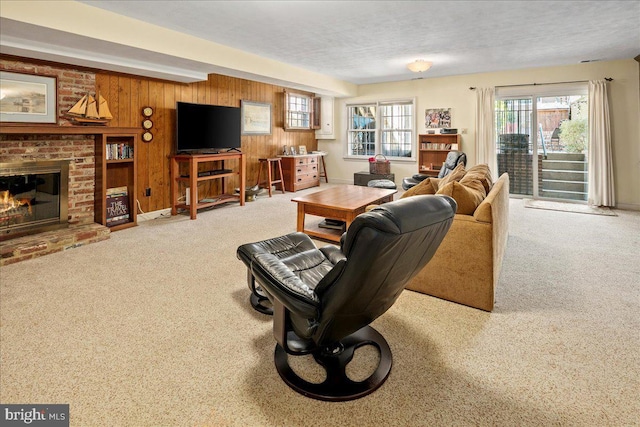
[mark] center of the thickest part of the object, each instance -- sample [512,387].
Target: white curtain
[600,164]
[485,129]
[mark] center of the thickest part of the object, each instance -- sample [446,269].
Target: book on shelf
[117,191]
[122,219]
[333,224]
[119,151]
[117,206]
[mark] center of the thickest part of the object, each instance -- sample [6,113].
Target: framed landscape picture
[256,118]
[27,98]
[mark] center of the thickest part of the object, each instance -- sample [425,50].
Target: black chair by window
[454,158]
[324,299]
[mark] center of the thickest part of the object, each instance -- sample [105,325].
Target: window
[362,130]
[381,128]
[300,111]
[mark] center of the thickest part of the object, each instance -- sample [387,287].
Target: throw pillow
[455,175]
[480,172]
[426,186]
[468,196]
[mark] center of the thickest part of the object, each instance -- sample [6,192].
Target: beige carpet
[568,207]
[153,328]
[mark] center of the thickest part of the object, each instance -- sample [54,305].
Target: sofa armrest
[466,267]
[500,218]
[497,199]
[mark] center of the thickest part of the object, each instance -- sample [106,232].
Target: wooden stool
[270,173]
[323,170]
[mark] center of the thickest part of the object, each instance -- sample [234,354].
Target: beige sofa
[466,266]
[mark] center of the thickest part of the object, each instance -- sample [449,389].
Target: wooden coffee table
[343,202]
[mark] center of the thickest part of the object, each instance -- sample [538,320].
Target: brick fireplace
[77,152]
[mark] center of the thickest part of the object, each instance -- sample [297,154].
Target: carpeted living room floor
[153,328]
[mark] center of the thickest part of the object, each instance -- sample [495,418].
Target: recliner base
[337,387]
[258,299]
[261,303]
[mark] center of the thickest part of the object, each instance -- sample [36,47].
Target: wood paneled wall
[127,95]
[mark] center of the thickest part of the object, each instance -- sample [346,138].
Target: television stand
[193,179]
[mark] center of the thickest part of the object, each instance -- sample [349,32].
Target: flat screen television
[202,128]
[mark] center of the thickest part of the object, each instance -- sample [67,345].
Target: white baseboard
[627,207]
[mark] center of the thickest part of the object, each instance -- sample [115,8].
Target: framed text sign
[28,98]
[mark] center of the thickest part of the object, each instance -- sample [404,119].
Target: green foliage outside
[573,133]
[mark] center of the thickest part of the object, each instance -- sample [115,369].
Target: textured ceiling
[372,41]
[358,42]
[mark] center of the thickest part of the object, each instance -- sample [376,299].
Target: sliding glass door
[542,141]
[514,118]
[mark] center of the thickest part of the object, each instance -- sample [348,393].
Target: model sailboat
[90,111]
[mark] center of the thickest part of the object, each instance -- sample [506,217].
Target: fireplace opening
[33,197]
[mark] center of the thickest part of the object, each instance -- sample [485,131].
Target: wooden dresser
[301,171]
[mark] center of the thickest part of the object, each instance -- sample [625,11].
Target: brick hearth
[48,242]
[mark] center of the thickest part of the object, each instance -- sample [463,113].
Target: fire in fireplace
[33,197]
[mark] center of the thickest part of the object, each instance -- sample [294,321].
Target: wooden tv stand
[193,179]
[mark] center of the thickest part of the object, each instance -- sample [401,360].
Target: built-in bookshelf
[116,176]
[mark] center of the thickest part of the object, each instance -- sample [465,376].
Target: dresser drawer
[306,181]
[306,169]
[306,177]
[301,161]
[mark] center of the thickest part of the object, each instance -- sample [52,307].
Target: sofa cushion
[468,195]
[481,173]
[456,175]
[426,186]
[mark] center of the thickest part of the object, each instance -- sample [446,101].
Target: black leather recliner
[453,159]
[324,299]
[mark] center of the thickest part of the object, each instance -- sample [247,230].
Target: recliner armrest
[279,282]
[333,253]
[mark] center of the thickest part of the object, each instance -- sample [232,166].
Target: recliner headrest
[454,158]
[401,216]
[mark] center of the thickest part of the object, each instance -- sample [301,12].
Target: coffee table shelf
[343,202]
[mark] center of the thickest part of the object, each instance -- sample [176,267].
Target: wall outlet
[147,192]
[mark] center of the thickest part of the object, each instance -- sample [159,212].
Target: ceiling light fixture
[419,65]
